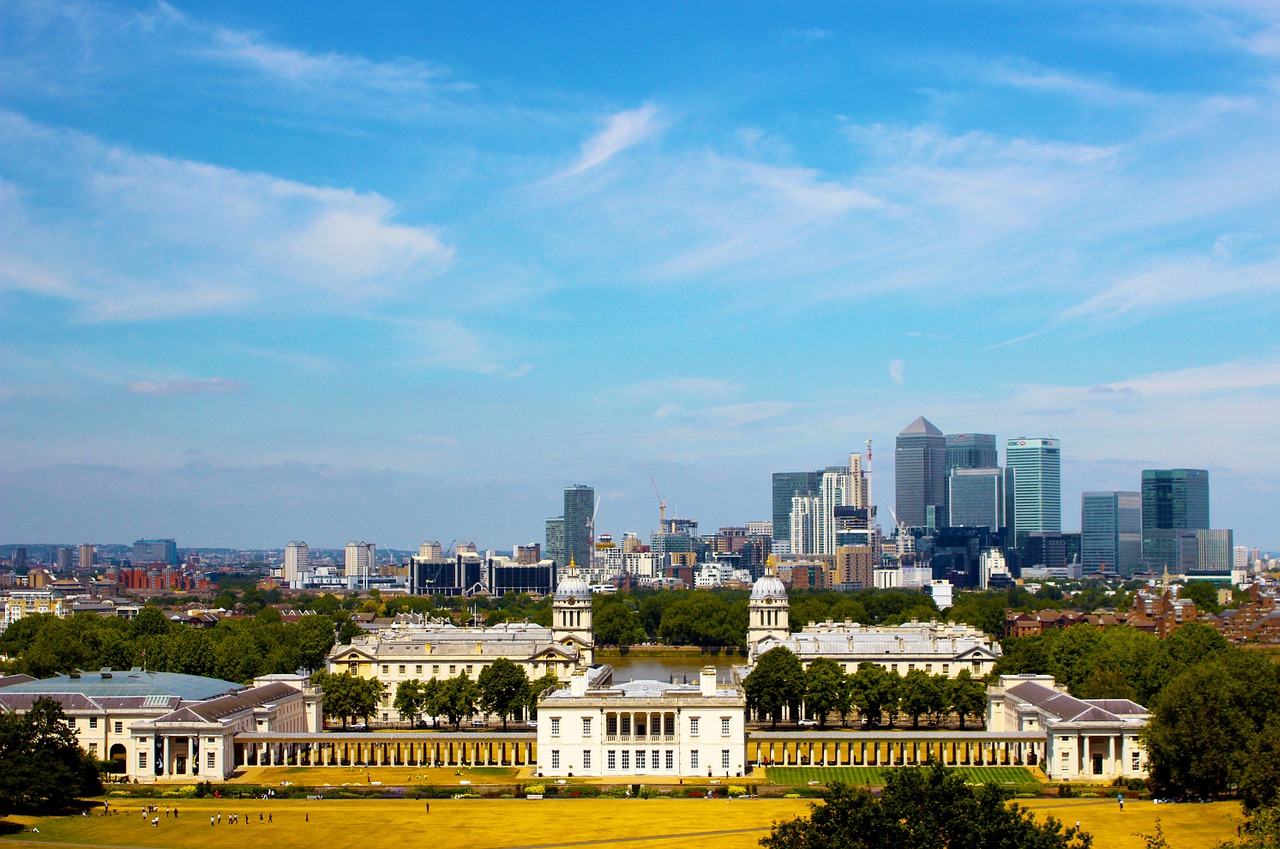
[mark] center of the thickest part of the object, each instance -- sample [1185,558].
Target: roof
[133,682]
[920,427]
[1067,708]
[231,704]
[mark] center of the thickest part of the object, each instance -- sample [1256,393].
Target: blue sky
[399,271]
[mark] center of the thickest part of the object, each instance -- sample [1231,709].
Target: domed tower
[571,614]
[768,606]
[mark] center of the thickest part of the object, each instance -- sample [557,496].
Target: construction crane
[591,525]
[662,504]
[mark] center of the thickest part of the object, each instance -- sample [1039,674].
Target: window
[1137,761]
[656,754]
[211,760]
[93,749]
[671,759]
[211,739]
[586,726]
[119,727]
[669,724]
[946,669]
[693,759]
[555,758]
[385,669]
[612,759]
[626,723]
[626,759]
[417,670]
[724,759]
[555,726]
[435,669]
[611,724]
[640,759]
[911,667]
[893,667]
[586,759]
[693,726]
[142,760]
[93,722]
[928,667]
[468,669]
[724,726]
[453,669]
[353,668]
[400,669]
[977,667]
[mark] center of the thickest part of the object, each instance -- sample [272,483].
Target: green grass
[1007,776]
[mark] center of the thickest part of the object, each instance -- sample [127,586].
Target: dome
[573,586]
[768,586]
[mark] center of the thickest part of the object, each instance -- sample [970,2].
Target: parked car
[806,723]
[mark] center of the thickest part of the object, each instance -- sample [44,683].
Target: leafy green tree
[919,693]
[922,808]
[1260,777]
[618,624]
[347,696]
[966,696]
[150,620]
[314,635]
[42,768]
[410,700]
[458,698]
[1204,594]
[875,690]
[825,689]
[504,686]
[777,682]
[1262,831]
[539,686]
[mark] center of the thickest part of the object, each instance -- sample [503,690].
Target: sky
[403,271]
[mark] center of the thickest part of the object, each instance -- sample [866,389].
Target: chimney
[707,681]
[578,683]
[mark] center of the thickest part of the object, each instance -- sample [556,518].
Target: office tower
[1111,532]
[1173,500]
[297,564]
[976,498]
[919,473]
[64,559]
[86,556]
[555,540]
[360,559]
[1214,549]
[579,512]
[786,486]
[155,551]
[1037,484]
[967,451]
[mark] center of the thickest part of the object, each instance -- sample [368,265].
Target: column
[164,768]
[1111,756]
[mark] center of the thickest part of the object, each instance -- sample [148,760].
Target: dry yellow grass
[523,824]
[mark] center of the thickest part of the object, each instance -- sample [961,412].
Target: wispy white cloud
[681,387]
[898,372]
[216,239]
[202,386]
[621,131]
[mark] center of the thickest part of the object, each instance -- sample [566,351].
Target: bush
[535,789]
[735,790]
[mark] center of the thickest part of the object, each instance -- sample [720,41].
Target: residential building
[555,539]
[22,603]
[579,515]
[1214,549]
[920,475]
[1037,484]
[297,564]
[786,486]
[643,728]
[360,563]
[1111,533]
[86,556]
[155,551]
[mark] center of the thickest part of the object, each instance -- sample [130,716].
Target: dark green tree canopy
[42,767]
[776,682]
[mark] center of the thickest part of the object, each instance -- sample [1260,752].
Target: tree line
[780,683]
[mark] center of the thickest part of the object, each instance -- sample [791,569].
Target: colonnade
[894,749]
[268,749]
[640,726]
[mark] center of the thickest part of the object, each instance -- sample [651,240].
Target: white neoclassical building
[643,728]
[1085,739]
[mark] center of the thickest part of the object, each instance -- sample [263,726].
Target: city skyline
[399,272]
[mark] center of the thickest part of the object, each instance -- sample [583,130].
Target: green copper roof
[132,682]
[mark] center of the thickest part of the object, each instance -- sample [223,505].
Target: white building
[360,562]
[992,564]
[1086,739]
[297,564]
[29,602]
[643,728]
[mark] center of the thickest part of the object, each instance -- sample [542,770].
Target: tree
[410,700]
[347,697]
[825,689]
[42,767]
[314,635]
[1260,778]
[1204,594]
[918,694]
[618,624]
[1262,831]
[922,808]
[538,687]
[458,697]
[503,688]
[875,689]
[777,682]
[966,696]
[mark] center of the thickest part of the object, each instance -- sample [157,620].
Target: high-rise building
[359,563]
[976,497]
[1214,549]
[579,512]
[967,451]
[1037,484]
[805,510]
[1111,532]
[86,556]
[155,551]
[786,486]
[920,474]
[297,564]
[555,540]
[1173,500]
[64,559]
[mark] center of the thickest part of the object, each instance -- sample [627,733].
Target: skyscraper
[786,486]
[359,560]
[1172,500]
[976,498]
[86,556]
[1111,532]
[920,474]
[155,551]
[966,451]
[297,564]
[1037,484]
[579,511]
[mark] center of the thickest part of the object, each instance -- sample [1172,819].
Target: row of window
[642,758]
[613,723]
[117,726]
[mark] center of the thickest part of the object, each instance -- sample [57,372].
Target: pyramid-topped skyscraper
[920,474]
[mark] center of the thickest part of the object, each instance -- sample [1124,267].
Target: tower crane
[662,504]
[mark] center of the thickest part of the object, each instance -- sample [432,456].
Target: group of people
[232,819]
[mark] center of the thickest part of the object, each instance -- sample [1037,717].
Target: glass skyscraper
[1111,532]
[1172,500]
[966,451]
[788,485]
[1037,483]
[579,509]
[976,498]
[920,474]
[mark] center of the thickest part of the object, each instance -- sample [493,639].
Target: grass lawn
[859,776]
[522,824]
